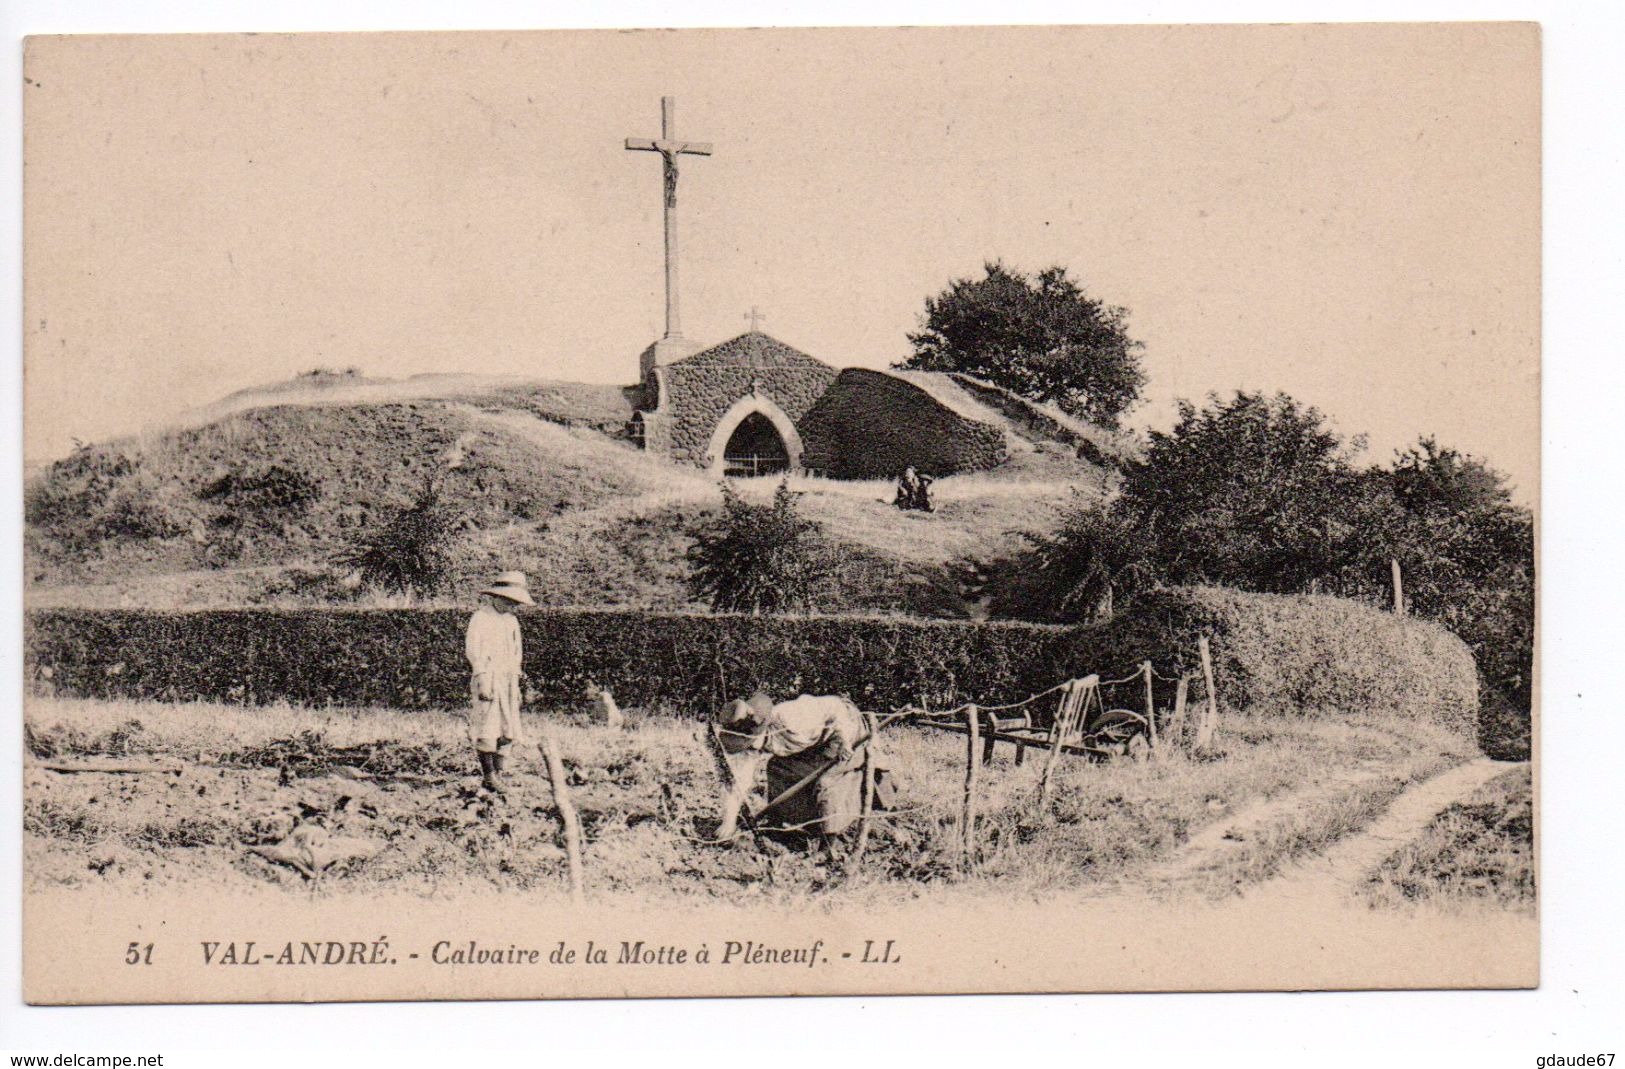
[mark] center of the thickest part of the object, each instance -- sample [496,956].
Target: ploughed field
[392,797]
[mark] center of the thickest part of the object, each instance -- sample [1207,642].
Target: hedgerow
[1289,655]
[1272,655]
[413,659]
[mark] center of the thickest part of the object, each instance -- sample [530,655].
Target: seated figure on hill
[913,491]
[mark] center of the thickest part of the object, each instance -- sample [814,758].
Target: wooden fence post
[1150,705]
[972,765]
[566,808]
[1399,587]
[1176,727]
[871,727]
[1210,721]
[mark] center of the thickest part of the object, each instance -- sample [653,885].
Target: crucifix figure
[670,148]
[755,316]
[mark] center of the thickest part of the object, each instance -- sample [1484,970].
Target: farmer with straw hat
[494,653]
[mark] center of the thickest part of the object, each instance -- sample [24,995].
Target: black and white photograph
[961,510]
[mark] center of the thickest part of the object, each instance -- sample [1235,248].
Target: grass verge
[1474,851]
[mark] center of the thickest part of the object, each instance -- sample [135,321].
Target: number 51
[137,954]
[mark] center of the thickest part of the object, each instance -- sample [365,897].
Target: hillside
[248,500]
[601,406]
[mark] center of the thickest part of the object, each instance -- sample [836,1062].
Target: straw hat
[511,585]
[743,711]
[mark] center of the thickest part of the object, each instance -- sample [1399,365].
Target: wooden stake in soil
[1054,741]
[1210,722]
[1176,727]
[871,727]
[1150,705]
[1399,587]
[567,810]
[972,764]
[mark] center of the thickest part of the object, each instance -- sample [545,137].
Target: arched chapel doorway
[755,448]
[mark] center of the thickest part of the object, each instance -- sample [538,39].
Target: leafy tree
[1468,554]
[1456,528]
[1429,476]
[1042,337]
[411,551]
[758,558]
[1258,493]
[1255,492]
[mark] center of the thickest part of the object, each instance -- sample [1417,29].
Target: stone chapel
[756,406]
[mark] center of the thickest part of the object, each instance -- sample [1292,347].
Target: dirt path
[1206,847]
[1336,874]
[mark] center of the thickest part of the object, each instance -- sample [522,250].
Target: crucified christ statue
[670,149]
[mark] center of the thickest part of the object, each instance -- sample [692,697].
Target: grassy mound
[289,483]
[247,502]
[571,404]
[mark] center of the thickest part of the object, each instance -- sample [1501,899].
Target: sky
[1346,213]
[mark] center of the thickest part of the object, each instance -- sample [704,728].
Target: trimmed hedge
[1286,655]
[414,658]
[1272,655]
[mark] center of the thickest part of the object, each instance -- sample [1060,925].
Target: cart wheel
[1139,748]
[1118,725]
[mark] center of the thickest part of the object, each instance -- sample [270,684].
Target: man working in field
[816,743]
[495,651]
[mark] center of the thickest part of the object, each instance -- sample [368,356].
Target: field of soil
[389,803]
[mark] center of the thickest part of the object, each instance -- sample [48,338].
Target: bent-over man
[495,652]
[821,737]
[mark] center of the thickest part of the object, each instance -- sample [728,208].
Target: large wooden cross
[670,148]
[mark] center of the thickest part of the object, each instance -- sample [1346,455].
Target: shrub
[1260,493]
[141,507]
[758,558]
[75,488]
[271,487]
[411,551]
[1254,492]
[1094,565]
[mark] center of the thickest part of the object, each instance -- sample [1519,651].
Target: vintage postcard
[780,512]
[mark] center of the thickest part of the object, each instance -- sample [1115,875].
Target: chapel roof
[941,388]
[751,349]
